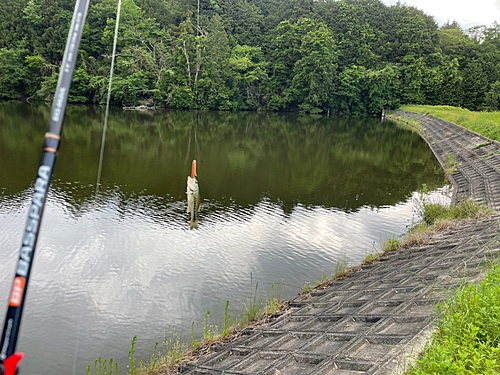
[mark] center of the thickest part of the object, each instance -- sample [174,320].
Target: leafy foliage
[346,56]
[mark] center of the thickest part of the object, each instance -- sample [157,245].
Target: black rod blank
[23,269]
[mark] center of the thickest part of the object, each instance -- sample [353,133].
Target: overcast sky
[467,12]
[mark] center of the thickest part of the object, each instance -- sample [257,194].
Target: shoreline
[418,340]
[381,306]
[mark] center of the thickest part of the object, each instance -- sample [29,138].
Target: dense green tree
[242,20]
[315,74]
[13,73]
[216,88]
[163,11]
[408,33]
[357,39]
[273,13]
[249,68]
[455,43]
[474,85]
[347,56]
[300,9]
[12,30]
[492,98]
[92,39]
[79,86]
[47,27]
[413,72]
[142,55]
[285,53]
[20,73]
[366,92]
[442,84]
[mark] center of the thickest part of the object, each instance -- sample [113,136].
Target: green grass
[437,215]
[341,269]
[390,244]
[467,209]
[481,145]
[450,163]
[432,210]
[175,351]
[467,339]
[370,257]
[160,363]
[484,123]
[101,367]
[252,308]
[490,154]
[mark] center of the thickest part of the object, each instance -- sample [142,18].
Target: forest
[350,57]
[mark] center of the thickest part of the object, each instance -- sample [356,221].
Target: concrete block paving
[369,321]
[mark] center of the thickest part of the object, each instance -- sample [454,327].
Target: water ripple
[282,204]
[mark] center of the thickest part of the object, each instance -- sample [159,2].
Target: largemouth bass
[193,197]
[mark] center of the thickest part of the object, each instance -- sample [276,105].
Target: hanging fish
[193,197]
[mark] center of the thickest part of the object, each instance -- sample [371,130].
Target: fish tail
[194,223]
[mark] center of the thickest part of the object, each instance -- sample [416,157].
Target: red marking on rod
[16,295]
[12,362]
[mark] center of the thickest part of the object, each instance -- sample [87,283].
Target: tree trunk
[187,61]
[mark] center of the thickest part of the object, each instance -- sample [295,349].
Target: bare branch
[187,60]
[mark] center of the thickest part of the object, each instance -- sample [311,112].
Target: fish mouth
[193,169]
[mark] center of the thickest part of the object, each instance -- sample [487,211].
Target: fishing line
[193,129]
[101,156]
[77,346]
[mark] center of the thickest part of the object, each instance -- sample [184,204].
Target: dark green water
[284,198]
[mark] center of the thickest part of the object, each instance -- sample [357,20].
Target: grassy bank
[484,123]
[467,336]
[169,356]
[467,339]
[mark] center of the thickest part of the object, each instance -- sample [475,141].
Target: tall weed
[467,339]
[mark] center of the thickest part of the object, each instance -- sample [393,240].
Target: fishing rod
[9,360]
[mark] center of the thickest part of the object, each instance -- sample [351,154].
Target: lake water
[284,198]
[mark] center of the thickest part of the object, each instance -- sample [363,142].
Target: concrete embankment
[477,172]
[371,321]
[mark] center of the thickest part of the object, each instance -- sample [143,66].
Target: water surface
[284,198]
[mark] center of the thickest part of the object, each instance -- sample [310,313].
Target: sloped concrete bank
[374,319]
[477,173]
